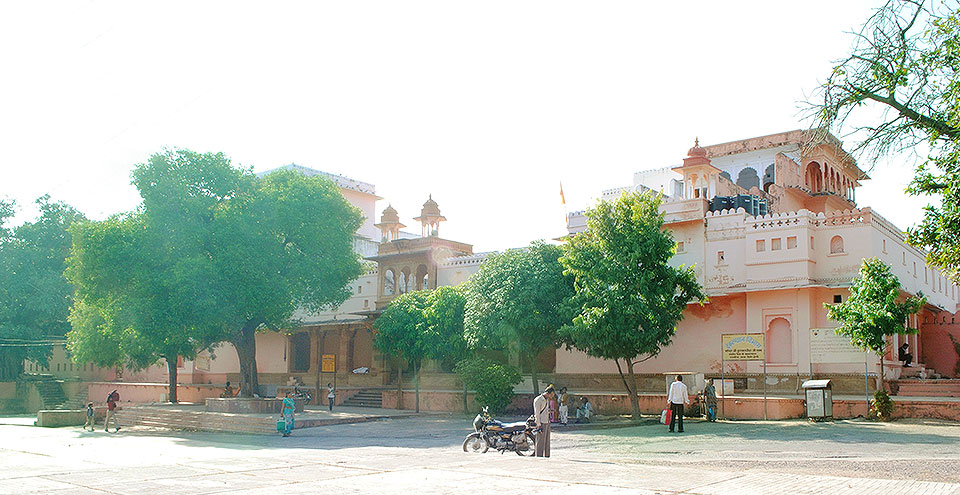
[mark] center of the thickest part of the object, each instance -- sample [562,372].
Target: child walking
[89,417]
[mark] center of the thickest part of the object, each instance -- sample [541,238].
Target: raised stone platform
[196,417]
[239,405]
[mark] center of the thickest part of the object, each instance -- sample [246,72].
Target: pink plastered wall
[937,350]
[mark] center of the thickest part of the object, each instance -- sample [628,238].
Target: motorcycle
[517,437]
[299,393]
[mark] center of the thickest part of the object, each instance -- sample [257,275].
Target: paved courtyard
[422,455]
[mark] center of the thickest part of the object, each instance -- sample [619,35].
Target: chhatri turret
[699,176]
[389,224]
[430,218]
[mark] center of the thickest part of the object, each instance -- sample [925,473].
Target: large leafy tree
[423,325]
[217,253]
[875,309]
[899,90]
[628,298]
[139,299]
[285,241]
[517,299]
[34,295]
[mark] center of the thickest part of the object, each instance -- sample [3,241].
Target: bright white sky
[486,105]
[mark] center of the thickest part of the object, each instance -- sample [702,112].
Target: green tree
[517,299]
[492,381]
[403,330]
[445,317]
[898,90]
[35,297]
[217,253]
[628,298]
[138,298]
[284,242]
[423,325]
[875,309]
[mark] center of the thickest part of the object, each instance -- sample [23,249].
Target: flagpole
[563,201]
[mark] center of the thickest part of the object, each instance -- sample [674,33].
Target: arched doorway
[779,341]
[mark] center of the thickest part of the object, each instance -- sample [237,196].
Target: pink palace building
[770,224]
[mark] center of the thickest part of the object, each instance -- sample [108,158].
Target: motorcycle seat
[511,427]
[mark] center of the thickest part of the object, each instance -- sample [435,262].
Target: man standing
[112,411]
[541,414]
[710,398]
[331,395]
[676,398]
[564,405]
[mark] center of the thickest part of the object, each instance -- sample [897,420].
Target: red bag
[665,416]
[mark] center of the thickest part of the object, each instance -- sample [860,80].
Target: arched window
[813,177]
[779,341]
[748,178]
[388,283]
[836,244]
[402,283]
[421,278]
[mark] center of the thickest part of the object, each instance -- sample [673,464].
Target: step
[929,388]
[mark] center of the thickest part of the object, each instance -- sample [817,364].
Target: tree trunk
[246,344]
[882,384]
[419,365]
[632,390]
[465,410]
[400,386]
[172,377]
[533,374]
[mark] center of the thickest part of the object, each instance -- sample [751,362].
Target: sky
[488,106]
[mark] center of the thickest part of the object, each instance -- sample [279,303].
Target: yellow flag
[563,201]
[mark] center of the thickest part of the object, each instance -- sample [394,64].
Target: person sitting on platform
[585,410]
[904,355]
[228,392]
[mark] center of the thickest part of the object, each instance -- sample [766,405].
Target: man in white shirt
[676,398]
[541,414]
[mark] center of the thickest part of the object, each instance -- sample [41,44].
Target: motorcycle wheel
[531,446]
[475,443]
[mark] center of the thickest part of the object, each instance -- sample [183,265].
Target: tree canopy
[517,298]
[899,90]
[628,298]
[35,297]
[216,253]
[875,308]
[423,325]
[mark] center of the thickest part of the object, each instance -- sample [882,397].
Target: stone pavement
[423,455]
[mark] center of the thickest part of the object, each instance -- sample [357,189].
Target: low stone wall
[430,400]
[68,417]
[733,407]
[249,406]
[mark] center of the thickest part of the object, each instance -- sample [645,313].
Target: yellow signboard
[329,363]
[742,346]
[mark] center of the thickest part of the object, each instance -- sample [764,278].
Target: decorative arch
[403,283]
[748,178]
[813,177]
[389,284]
[769,177]
[779,341]
[421,278]
[836,245]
